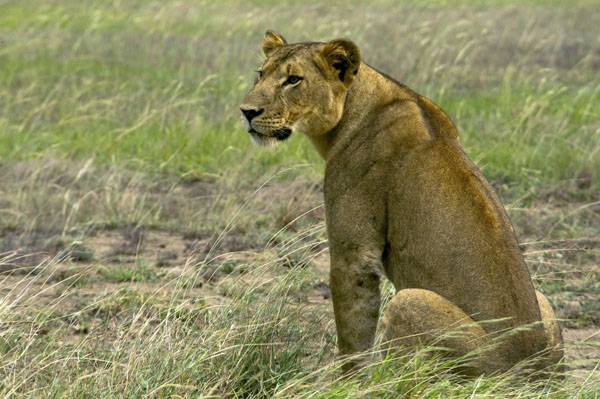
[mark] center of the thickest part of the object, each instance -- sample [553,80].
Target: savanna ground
[147,249]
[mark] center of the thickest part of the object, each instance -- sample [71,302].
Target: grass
[147,249]
[160,83]
[260,341]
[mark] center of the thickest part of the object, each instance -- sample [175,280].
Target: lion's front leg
[356,299]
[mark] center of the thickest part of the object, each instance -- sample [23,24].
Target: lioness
[401,199]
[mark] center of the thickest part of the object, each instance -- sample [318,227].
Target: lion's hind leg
[554,339]
[421,317]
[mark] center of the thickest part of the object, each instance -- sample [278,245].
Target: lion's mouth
[280,135]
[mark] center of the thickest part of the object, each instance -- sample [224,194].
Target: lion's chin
[266,141]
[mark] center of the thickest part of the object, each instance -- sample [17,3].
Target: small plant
[140,272]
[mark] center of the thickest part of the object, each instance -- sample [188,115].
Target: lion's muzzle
[259,134]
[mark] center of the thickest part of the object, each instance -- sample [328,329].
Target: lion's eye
[292,80]
[260,74]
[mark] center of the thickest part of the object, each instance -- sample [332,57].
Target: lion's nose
[251,113]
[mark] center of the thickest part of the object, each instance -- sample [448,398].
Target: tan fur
[402,200]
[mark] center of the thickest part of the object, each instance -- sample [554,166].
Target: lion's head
[300,87]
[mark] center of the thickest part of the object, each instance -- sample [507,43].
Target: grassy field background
[148,249]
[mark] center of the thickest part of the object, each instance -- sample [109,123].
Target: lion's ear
[343,55]
[272,42]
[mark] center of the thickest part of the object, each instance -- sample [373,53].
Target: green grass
[153,251]
[124,273]
[160,83]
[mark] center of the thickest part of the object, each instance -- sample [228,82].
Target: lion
[402,200]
